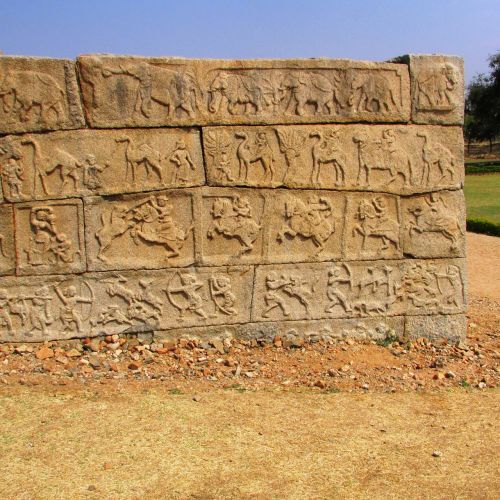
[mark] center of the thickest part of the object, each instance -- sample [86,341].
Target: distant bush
[482,167]
[483,226]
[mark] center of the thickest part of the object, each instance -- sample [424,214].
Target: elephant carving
[371,93]
[32,96]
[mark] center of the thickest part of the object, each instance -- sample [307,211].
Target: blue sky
[359,29]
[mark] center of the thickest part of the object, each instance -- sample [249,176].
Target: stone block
[452,327]
[140,231]
[437,89]
[434,224]
[358,289]
[91,162]
[38,94]
[49,237]
[386,158]
[120,91]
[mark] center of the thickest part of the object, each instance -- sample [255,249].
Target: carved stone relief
[73,306]
[7,252]
[396,159]
[437,85]
[232,227]
[87,162]
[358,289]
[119,91]
[140,231]
[434,224]
[373,227]
[49,237]
[38,94]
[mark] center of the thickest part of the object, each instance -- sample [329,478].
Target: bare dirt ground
[124,418]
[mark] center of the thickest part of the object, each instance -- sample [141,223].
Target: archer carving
[311,220]
[71,319]
[232,218]
[377,291]
[339,286]
[375,222]
[184,293]
[147,221]
[222,295]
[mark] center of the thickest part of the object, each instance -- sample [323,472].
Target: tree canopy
[482,104]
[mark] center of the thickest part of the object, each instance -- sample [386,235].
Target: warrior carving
[232,218]
[326,150]
[431,217]
[371,92]
[141,306]
[281,289]
[383,155]
[70,318]
[222,294]
[336,280]
[148,221]
[259,151]
[32,96]
[186,296]
[311,220]
[377,291]
[374,222]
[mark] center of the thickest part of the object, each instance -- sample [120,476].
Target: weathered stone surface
[294,198]
[141,231]
[120,91]
[90,162]
[7,252]
[356,328]
[437,89]
[434,225]
[452,327]
[388,158]
[357,289]
[38,94]
[65,306]
[49,237]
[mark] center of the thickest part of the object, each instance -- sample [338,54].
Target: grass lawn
[482,195]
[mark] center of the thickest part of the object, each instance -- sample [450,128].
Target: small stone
[436,453]
[438,376]
[249,374]
[196,398]
[450,374]
[44,353]
[320,384]
[94,361]
[134,365]
[73,353]
[218,345]
[482,385]
[365,387]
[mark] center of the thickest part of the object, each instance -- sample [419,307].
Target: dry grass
[145,442]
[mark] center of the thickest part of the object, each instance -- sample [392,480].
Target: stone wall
[246,198]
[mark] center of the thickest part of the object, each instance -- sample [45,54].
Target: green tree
[482,105]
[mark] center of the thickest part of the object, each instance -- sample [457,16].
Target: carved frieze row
[399,159]
[219,226]
[395,159]
[38,308]
[39,94]
[99,162]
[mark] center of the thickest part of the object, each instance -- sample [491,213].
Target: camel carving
[137,155]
